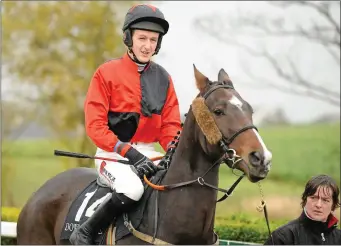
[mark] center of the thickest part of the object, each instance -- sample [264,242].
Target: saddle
[92,196]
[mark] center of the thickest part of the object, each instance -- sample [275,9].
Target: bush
[10,214]
[244,228]
[8,241]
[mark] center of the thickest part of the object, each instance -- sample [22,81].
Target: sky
[184,46]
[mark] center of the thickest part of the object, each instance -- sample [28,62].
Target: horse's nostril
[255,158]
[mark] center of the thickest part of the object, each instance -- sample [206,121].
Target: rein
[201,181]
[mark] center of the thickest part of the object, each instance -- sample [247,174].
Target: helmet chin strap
[135,58]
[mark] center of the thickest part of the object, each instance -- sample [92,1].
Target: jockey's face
[144,44]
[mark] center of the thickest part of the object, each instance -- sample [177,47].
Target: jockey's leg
[127,189]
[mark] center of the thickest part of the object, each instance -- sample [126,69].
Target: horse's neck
[190,207]
[189,160]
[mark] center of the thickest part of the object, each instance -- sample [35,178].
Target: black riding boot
[110,208]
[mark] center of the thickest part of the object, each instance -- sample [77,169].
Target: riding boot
[111,207]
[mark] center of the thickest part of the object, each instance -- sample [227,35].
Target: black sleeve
[279,239]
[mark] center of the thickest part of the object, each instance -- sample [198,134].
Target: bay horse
[218,129]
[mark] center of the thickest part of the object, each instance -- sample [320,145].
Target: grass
[299,152]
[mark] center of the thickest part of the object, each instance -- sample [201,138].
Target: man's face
[144,44]
[320,204]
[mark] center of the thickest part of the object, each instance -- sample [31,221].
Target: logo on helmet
[148,5]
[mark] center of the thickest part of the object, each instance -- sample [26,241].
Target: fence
[8,229]
[232,242]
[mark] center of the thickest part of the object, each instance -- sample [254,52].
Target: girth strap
[147,238]
[142,235]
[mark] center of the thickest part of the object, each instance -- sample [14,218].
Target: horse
[218,129]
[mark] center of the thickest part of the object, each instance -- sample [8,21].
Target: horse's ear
[224,77]
[200,79]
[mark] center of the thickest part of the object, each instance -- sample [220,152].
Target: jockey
[130,104]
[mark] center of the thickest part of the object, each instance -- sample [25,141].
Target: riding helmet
[144,17]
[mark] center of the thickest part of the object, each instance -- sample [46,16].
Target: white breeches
[120,177]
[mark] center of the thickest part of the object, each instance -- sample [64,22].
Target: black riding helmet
[144,17]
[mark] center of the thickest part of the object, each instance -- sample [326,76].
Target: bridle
[229,157]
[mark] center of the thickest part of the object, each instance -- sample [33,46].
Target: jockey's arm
[96,107]
[170,118]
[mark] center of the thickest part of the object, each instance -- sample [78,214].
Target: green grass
[299,152]
[33,148]
[29,164]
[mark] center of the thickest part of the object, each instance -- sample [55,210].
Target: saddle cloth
[92,196]
[83,207]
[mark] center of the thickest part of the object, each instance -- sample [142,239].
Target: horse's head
[226,127]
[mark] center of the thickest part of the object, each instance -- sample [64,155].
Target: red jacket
[122,104]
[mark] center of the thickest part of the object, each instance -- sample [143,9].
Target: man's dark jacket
[304,231]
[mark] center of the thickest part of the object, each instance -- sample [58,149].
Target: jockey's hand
[143,164]
[166,160]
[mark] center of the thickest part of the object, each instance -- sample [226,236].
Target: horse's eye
[218,112]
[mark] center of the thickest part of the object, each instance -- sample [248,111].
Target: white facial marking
[236,102]
[267,153]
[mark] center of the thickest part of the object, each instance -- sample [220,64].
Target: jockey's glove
[143,165]
[166,160]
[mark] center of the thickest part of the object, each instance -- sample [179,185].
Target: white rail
[8,229]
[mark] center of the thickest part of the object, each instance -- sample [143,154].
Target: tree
[12,116]
[321,33]
[275,118]
[52,49]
